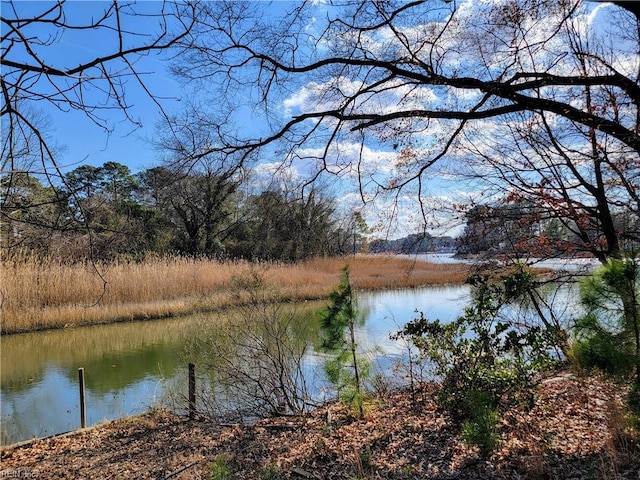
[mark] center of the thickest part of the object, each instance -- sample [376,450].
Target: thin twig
[179,471]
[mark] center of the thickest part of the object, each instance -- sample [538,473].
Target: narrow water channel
[129,366]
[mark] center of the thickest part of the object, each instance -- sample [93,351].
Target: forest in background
[108,213]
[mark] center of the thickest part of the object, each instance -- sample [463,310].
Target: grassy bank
[50,294]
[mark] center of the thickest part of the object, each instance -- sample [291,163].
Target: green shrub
[486,362]
[481,425]
[219,469]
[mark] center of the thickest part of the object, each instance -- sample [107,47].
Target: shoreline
[217,309]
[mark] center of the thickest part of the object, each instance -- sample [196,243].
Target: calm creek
[130,367]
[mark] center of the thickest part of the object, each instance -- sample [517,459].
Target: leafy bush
[484,360]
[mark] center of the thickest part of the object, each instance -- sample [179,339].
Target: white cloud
[275,175]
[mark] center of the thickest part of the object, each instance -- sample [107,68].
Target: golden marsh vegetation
[43,294]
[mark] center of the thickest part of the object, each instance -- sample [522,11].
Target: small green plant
[346,369]
[270,472]
[219,469]
[480,427]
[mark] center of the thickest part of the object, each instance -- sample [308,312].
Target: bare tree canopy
[370,46]
[38,72]
[530,100]
[522,98]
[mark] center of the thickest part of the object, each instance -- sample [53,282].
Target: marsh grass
[46,293]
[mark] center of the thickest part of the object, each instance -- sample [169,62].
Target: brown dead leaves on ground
[576,429]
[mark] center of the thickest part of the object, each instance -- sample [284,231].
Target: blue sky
[82,141]
[86,143]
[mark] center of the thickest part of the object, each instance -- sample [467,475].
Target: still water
[129,366]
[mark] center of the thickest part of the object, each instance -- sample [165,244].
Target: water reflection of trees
[114,356]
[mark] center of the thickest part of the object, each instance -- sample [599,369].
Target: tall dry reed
[47,293]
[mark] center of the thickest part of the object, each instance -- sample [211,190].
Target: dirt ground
[576,430]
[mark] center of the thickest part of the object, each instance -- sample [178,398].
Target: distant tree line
[414,243]
[512,228]
[523,228]
[108,212]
